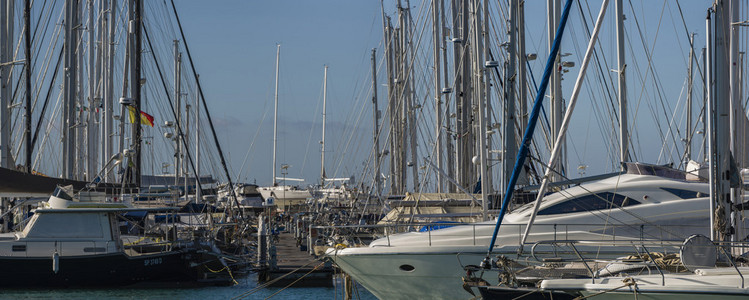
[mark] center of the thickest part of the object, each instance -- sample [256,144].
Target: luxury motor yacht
[646,202]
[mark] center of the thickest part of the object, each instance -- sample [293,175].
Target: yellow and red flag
[145,118]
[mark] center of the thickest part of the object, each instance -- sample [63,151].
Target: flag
[145,118]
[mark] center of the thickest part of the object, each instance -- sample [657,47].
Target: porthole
[406,268]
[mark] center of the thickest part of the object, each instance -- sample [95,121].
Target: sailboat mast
[376,119]
[557,104]
[322,143]
[135,87]
[109,85]
[481,99]
[510,141]
[690,81]
[446,90]
[710,114]
[178,109]
[197,143]
[68,118]
[436,34]
[622,92]
[89,131]
[275,116]
[27,49]
[722,128]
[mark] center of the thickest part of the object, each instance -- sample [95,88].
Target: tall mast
[522,83]
[737,116]
[622,92]
[376,119]
[178,109]
[324,105]
[510,142]
[70,83]
[90,130]
[197,143]
[557,105]
[690,81]
[722,100]
[437,91]
[481,98]
[27,49]
[410,82]
[109,85]
[275,115]
[489,64]
[710,116]
[705,88]
[446,90]
[135,87]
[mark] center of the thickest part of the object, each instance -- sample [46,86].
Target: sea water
[241,290]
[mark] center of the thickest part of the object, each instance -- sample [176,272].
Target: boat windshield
[605,200]
[62,194]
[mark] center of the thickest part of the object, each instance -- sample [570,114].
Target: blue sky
[234,45]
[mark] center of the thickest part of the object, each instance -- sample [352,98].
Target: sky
[234,47]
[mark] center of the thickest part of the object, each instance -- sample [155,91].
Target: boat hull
[116,269]
[435,275]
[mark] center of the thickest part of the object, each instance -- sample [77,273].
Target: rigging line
[691,44]
[648,70]
[523,151]
[252,144]
[205,107]
[671,123]
[178,126]
[46,98]
[608,85]
[47,132]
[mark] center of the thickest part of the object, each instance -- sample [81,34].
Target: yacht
[645,202]
[285,196]
[71,243]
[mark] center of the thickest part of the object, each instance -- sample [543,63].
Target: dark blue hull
[102,270]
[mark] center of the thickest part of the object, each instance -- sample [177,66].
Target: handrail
[592,275]
[663,277]
[730,258]
[377,231]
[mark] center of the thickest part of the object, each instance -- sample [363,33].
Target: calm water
[245,284]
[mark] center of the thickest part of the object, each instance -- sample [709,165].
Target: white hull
[285,196]
[438,257]
[381,276]
[669,287]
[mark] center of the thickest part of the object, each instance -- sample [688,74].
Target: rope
[629,281]
[526,294]
[295,281]
[224,268]
[266,284]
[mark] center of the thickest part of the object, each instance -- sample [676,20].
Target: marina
[391,149]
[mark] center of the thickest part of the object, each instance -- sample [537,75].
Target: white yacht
[285,196]
[645,203]
[712,283]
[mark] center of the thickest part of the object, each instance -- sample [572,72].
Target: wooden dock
[292,266]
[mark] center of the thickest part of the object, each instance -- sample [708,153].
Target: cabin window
[590,202]
[683,194]
[66,225]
